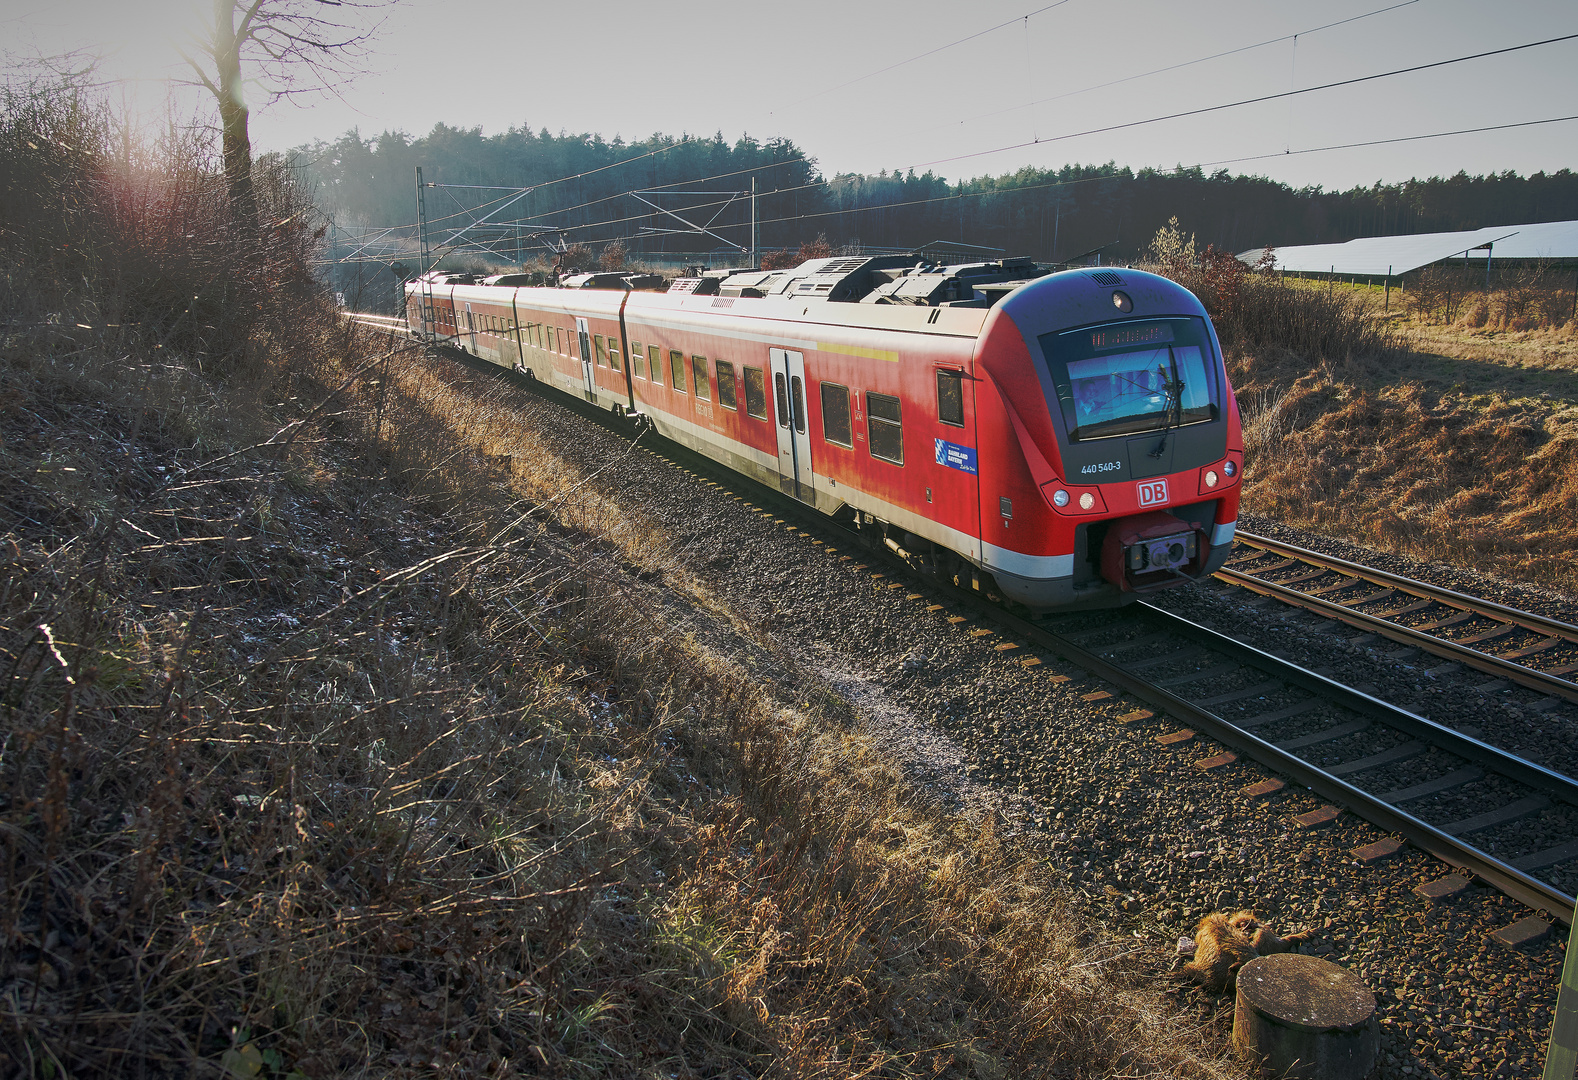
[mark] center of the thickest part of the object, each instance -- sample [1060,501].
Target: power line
[1385,142]
[1092,179]
[1136,123]
[1113,127]
[960,195]
[1250,101]
[929,52]
[1163,70]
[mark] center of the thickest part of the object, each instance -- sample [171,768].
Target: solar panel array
[1383,256]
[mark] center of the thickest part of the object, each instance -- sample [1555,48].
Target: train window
[698,377]
[781,393]
[726,396]
[562,350]
[1133,376]
[655,363]
[884,427]
[756,392]
[676,369]
[797,388]
[616,358]
[637,360]
[950,397]
[602,356]
[835,415]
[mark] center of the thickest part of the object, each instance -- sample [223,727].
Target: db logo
[1153,492]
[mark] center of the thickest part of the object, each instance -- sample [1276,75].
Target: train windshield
[1133,376]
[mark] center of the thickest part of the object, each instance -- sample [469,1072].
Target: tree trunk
[233,122]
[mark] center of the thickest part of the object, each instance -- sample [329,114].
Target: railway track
[1523,648]
[1442,791]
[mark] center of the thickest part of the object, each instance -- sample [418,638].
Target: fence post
[1388,289]
[1561,1055]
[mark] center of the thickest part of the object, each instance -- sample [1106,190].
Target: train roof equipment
[887,279]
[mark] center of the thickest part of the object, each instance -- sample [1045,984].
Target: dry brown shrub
[612,257]
[809,249]
[1486,482]
[1254,311]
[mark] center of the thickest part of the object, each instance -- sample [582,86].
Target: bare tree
[294,47]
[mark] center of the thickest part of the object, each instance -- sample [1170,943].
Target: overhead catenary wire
[961,195]
[1113,127]
[1160,70]
[1155,119]
[1005,191]
[1249,101]
[929,52]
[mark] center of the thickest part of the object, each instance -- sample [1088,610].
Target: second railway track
[1524,648]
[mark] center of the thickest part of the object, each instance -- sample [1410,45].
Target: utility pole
[424,252]
[755,260]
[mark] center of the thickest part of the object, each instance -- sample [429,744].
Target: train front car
[1115,463]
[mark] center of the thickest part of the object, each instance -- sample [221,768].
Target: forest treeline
[581,185]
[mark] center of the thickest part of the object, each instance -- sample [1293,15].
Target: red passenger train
[1071,435]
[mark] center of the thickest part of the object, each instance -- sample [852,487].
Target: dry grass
[346,731]
[1455,449]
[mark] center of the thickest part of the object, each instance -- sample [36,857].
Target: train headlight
[1210,478]
[1086,500]
[1060,497]
[1230,469]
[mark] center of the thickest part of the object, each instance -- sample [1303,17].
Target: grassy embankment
[337,741]
[1448,440]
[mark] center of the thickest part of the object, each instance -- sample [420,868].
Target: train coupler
[1150,551]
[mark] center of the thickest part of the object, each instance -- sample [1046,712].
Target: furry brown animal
[1260,936]
[1225,943]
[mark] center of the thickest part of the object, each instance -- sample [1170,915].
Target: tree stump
[1306,1018]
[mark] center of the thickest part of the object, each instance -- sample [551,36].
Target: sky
[962,89]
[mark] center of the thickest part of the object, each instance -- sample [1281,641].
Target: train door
[953,480]
[471,329]
[586,358]
[794,437]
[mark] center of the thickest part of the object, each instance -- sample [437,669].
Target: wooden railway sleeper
[1450,620]
[1530,650]
[1346,583]
[1500,631]
[1310,576]
[1157,661]
[1355,601]
[1406,609]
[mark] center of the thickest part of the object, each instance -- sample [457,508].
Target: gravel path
[1150,842]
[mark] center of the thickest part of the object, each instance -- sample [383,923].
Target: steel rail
[1414,587]
[1490,663]
[1456,853]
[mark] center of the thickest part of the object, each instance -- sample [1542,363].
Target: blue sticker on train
[955,456]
